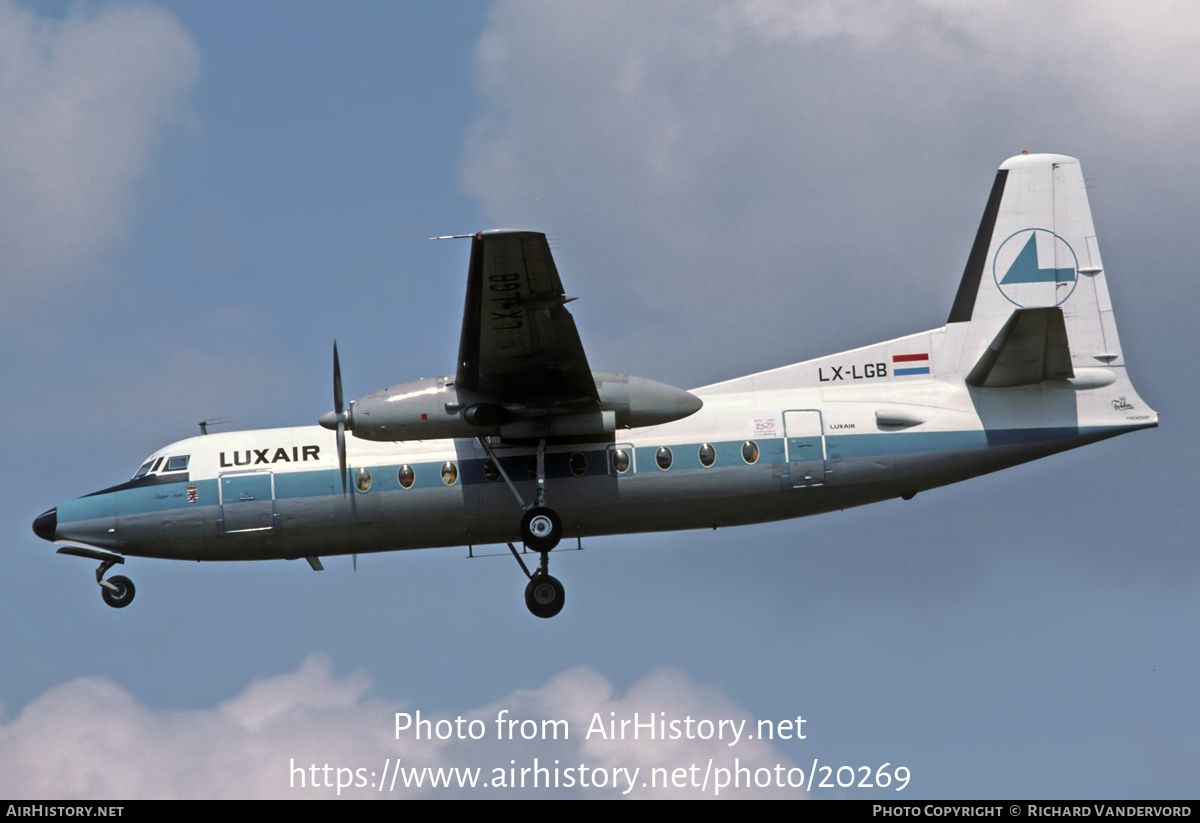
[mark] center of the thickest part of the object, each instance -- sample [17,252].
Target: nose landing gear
[118,590]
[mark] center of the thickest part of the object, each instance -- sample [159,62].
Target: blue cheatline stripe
[902,372]
[322,482]
[890,443]
[1014,437]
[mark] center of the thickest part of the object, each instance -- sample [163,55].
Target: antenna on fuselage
[215,421]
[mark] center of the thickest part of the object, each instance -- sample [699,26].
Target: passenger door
[805,444]
[247,501]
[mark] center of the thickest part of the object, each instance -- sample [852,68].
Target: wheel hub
[541,526]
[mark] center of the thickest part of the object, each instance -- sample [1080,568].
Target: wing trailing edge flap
[1031,347]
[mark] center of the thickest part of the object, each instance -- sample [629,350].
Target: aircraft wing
[519,343]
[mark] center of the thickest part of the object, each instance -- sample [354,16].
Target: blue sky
[196,199]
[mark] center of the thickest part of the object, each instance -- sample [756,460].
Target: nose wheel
[117,591]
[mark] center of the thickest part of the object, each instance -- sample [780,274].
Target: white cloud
[82,102]
[91,739]
[780,174]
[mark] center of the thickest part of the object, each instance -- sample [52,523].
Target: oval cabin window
[406,476]
[620,460]
[664,458]
[707,454]
[750,451]
[362,480]
[490,471]
[449,473]
[578,464]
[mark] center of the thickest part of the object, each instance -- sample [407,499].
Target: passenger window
[750,451]
[449,473]
[620,460]
[406,476]
[708,455]
[362,480]
[578,464]
[664,458]
[490,471]
[177,464]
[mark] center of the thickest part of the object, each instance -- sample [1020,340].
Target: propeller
[339,417]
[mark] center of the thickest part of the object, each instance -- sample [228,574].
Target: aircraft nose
[45,524]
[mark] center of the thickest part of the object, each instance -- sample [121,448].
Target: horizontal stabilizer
[1031,347]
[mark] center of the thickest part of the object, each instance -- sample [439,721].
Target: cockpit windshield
[144,470]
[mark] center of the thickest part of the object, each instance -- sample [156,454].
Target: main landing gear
[541,531]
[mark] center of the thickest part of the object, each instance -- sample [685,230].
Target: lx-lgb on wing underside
[525,443]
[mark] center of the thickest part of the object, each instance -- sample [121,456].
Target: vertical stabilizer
[1036,249]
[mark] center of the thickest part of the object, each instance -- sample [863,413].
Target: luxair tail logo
[1035,268]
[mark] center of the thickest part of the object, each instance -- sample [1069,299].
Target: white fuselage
[841,431]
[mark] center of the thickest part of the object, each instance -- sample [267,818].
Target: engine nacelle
[640,402]
[433,408]
[425,409]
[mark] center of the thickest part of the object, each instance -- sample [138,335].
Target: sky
[197,199]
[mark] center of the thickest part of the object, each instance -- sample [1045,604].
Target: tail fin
[1036,255]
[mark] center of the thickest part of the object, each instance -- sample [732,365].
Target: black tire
[124,594]
[545,595]
[541,529]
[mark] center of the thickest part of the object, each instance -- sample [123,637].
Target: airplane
[525,443]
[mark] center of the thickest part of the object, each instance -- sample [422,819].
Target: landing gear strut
[541,531]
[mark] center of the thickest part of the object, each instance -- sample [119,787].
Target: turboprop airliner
[525,443]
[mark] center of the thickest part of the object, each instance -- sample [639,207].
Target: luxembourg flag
[900,371]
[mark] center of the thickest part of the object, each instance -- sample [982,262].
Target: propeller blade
[341,446]
[337,381]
